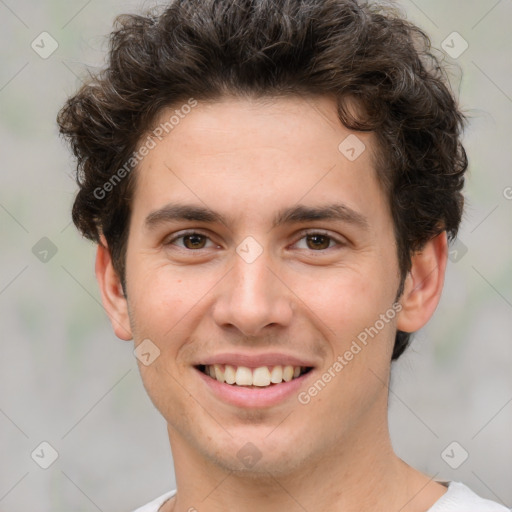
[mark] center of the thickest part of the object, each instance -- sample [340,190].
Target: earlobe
[112,295]
[424,284]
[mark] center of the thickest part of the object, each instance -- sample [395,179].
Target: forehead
[267,151]
[231,123]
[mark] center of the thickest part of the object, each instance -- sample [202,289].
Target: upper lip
[255,360]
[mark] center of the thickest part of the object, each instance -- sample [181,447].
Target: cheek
[347,300]
[162,307]
[166,306]
[160,295]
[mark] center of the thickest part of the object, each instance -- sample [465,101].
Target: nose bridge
[251,281]
[252,297]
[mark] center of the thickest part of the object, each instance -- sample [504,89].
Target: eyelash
[183,235]
[304,235]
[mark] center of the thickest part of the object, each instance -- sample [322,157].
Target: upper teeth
[261,376]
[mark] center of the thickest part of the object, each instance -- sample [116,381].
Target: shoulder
[154,505]
[459,498]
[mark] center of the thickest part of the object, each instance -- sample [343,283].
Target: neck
[360,473]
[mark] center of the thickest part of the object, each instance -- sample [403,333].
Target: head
[241,110]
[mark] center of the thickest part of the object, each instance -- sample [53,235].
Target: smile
[263,376]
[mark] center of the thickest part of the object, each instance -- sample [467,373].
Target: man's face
[295,258]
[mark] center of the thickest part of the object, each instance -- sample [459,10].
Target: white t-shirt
[458,498]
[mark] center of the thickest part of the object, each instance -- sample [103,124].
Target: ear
[112,295]
[423,284]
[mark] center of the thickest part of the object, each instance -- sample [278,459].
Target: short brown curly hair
[207,49]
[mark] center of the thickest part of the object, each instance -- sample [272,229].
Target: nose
[253,298]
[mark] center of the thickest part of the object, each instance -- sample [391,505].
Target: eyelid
[170,240]
[338,239]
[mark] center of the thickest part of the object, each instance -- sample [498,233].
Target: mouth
[260,377]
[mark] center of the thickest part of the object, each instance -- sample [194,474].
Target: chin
[255,455]
[267,467]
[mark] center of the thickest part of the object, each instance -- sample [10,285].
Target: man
[272,185]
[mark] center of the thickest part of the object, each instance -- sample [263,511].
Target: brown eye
[194,241]
[190,241]
[318,242]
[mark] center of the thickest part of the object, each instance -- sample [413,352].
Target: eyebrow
[176,212]
[337,211]
[173,212]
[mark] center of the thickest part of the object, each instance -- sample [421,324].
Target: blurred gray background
[67,381]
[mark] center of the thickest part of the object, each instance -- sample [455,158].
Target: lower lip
[253,397]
